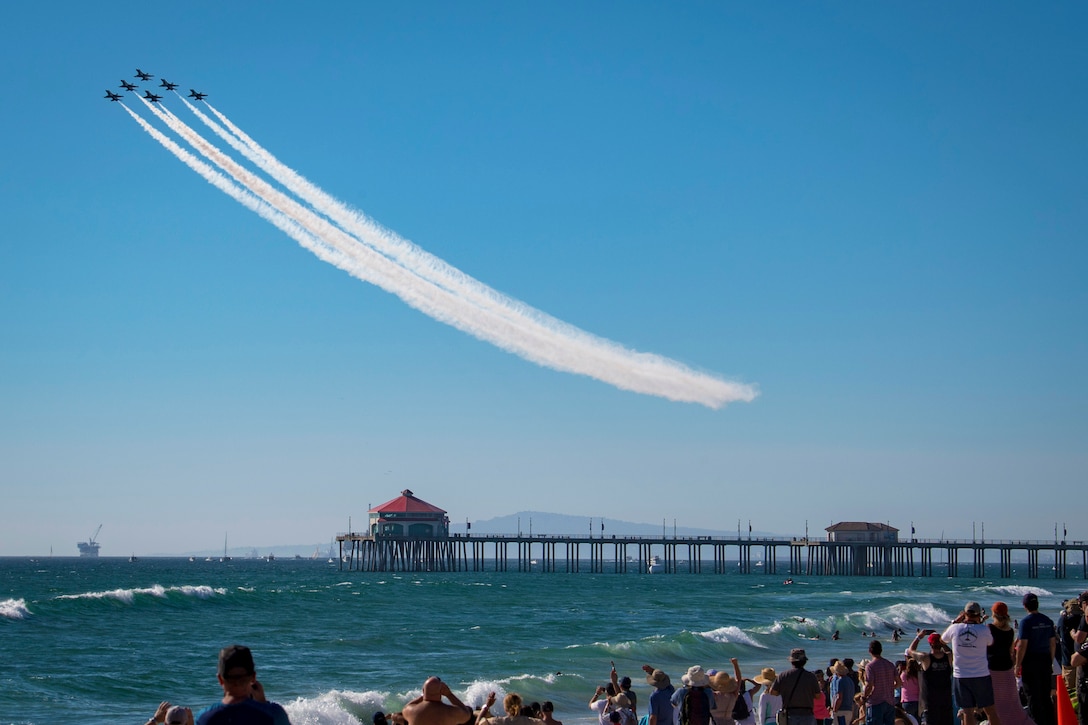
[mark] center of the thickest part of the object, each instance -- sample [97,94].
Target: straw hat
[619,700]
[766,676]
[722,682]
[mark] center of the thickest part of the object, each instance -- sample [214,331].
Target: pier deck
[623,554]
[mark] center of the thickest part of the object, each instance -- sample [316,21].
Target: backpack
[741,711]
[695,710]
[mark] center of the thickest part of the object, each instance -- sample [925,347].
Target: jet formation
[148,95]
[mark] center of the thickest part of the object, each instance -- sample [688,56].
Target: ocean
[105,640]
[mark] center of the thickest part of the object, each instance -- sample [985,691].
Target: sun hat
[696,677]
[658,679]
[722,682]
[840,669]
[619,700]
[766,676]
[798,655]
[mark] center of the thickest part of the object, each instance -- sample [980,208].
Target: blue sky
[874,213]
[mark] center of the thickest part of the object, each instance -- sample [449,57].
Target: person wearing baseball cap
[968,638]
[243,702]
[935,683]
[1035,651]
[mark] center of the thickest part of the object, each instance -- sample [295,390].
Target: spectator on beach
[798,688]
[881,679]
[661,710]
[695,699]
[1000,657]
[624,686]
[1079,662]
[859,707]
[726,690]
[428,708]
[1081,635]
[1068,621]
[821,705]
[171,715]
[517,713]
[842,691]
[935,682]
[547,714]
[744,709]
[244,701]
[902,717]
[1035,661]
[769,704]
[969,637]
[606,700]
[909,692]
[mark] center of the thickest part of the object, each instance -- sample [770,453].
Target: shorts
[973,691]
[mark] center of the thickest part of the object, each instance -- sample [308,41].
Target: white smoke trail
[443,292]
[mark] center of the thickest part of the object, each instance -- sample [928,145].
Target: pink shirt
[909,691]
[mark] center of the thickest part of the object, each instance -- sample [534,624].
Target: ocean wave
[336,707]
[128,596]
[1016,590]
[730,635]
[14,609]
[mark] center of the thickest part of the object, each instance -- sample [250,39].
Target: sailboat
[225,557]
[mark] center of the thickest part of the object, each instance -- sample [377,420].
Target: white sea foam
[157,590]
[14,609]
[336,707]
[1016,590]
[730,635]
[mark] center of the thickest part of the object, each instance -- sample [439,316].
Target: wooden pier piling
[718,555]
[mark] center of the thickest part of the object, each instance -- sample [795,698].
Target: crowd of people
[999,671]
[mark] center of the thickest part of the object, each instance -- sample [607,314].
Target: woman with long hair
[1000,656]
[911,689]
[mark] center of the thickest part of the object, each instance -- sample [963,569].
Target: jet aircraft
[112,96]
[167,84]
[143,76]
[128,86]
[152,97]
[197,94]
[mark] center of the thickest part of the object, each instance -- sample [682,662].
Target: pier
[708,554]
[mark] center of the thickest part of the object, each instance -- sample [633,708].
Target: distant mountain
[535,522]
[539,522]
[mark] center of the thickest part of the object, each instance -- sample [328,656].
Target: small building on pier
[409,517]
[862,532]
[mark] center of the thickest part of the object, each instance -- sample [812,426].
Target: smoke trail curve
[446,293]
